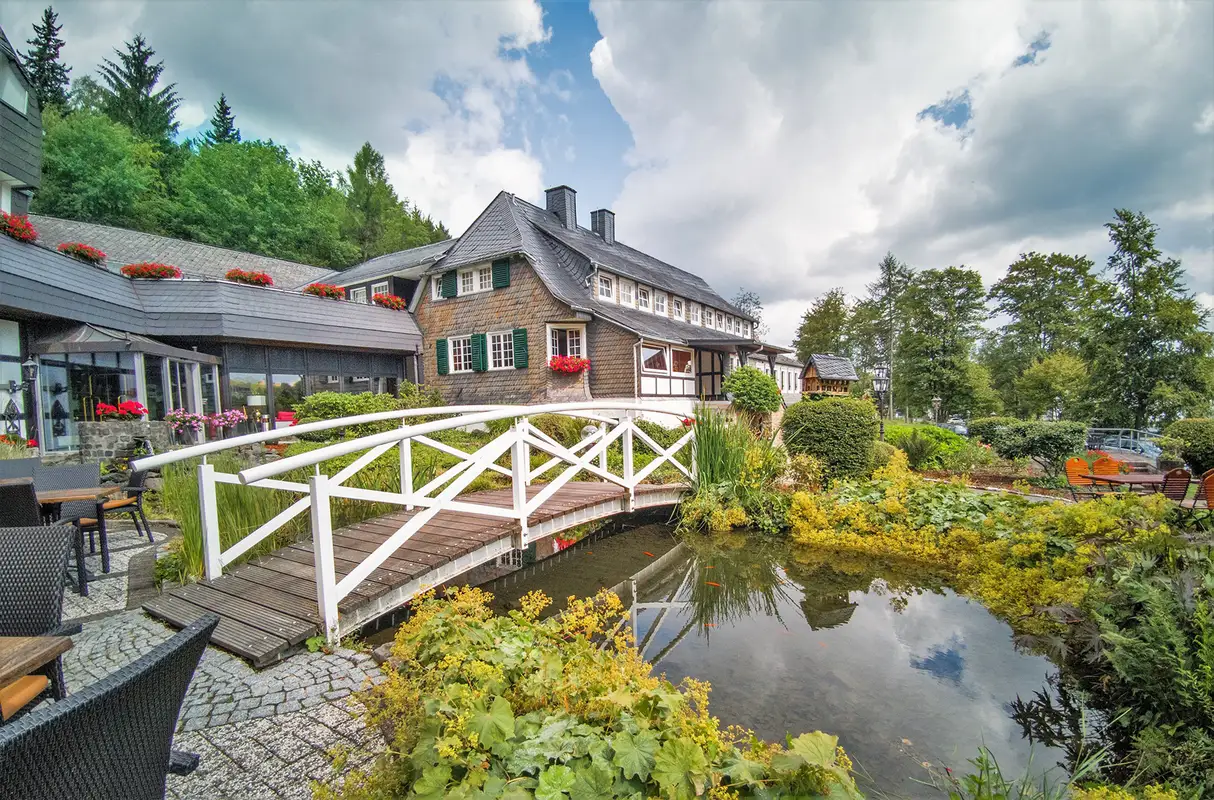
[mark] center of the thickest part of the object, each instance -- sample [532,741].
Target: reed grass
[719,447]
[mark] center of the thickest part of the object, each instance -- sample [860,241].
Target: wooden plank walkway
[268,605]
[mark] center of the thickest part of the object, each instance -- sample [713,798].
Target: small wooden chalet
[828,374]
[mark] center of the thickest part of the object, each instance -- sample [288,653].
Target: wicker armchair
[32,562]
[19,509]
[112,739]
[87,515]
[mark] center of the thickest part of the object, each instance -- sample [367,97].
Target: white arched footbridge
[338,580]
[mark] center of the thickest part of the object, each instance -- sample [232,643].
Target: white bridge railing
[608,423]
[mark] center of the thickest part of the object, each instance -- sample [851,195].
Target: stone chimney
[562,201]
[602,222]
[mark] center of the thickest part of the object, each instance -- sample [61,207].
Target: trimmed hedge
[986,429]
[839,431]
[1050,444]
[753,390]
[1198,437]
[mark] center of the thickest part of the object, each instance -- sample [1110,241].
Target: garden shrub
[919,449]
[947,443]
[332,405]
[970,455]
[514,707]
[838,430]
[806,473]
[753,390]
[1050,444]
[986,429]
[1197,434]
[882,451]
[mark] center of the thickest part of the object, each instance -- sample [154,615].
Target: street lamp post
[881,386]
[936,401]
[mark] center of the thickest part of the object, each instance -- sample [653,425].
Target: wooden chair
[1201,501]
[1176,484]
[131,504]
[1106,465]
[1079,481]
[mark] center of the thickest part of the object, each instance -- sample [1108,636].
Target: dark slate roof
[666,329]
[39,281]
[564,259]
[405,263]
[122,246]
[788,361]
[834,367]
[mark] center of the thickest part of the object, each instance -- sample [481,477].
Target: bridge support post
[208,510]
[626,443]
[406,471]
[322,554]
[603,455]
[520,466]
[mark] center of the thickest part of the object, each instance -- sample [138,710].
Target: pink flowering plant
[181,420]
[226,419]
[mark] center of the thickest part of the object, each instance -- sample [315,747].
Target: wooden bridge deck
[268,605]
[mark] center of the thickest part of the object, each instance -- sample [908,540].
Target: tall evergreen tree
[886,294]
[223,124]
[369,203]
[1150,357]
[46,71]
[131,96]
[823,327]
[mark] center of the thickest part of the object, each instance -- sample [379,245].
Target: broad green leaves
[635,754]
[493,725]
[555,782]
[681,769]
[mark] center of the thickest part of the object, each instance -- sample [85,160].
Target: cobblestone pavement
[261,734]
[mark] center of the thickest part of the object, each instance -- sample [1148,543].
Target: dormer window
[643,297]
[695,314]
[676,308]
[659,302]
[720,321]
[606,287]
[12,90]
[626,293]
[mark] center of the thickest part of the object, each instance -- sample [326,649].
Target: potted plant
[569,365]
[327,290]
[184,424]
[389,301]
[17,227]
[81,252]
[249,277]
[150,270]
[221,421]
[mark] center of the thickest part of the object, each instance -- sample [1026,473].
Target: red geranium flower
[389,301]
[329,290]
[82,252]
[568,364]
[18,227]
[249,277]
[150,270]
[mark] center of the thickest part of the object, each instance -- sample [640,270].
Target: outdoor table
[21,655]
[52,501]
[1132,480]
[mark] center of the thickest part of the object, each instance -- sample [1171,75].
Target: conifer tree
[131,96]
[223,124]
[46,71]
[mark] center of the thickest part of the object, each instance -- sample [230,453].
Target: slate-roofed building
[395,273]
[20,133]
[526,292]
[122,246]
[199,344]
[828,374]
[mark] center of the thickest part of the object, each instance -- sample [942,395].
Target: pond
[903,670]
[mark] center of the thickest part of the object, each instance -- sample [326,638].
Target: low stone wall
[105,441]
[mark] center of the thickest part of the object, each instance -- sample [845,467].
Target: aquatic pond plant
[483,706]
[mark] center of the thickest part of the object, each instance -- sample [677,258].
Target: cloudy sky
[783,147]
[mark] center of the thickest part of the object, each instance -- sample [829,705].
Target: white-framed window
[659,302]
[746,329]
[467,282]
[501,350]
[681,361]
[567,340]
[626,293]
[484,279]
[358,295]
[11,90]
[693,313]
[676,307]
[728,324]
[379,288]
[643,297]
[720,321]
[472,281]
[436,288]
[655,359]
[461,353]
[606,287]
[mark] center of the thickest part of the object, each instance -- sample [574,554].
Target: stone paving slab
[261,734]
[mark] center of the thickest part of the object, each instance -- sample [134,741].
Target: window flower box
[129,409]
[249,276]
[570,365]
[389,301]
[150,270]
[328,290]
[81,252]
[18,227]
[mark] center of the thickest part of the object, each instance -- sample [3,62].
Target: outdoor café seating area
[1107,475]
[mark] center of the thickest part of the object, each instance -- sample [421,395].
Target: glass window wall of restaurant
[12,404]
[72,384]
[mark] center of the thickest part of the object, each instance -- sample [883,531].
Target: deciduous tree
[941,316]
[750,303]
[823,327]
[47,73]
[1056,383]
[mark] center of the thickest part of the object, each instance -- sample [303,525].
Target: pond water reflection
[902,670]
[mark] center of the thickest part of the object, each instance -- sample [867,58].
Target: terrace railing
[1126,440]
[607,423]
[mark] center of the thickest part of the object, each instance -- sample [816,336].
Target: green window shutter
[448,286]
[520,348]
[440,356]
[501,273]
[480,352]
